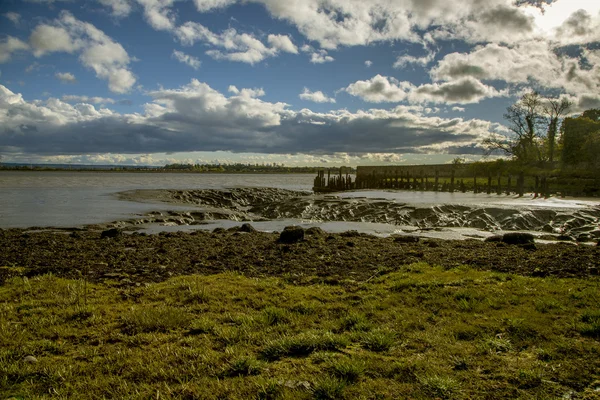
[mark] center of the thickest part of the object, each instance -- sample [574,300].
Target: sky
[298,82]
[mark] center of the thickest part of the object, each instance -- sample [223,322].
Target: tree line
[541,134]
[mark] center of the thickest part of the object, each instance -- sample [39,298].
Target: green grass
[422,332]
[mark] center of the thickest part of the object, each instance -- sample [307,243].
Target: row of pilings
[437,178]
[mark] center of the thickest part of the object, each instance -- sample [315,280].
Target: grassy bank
[419,332]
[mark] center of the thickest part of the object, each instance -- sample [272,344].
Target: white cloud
[407,59]
[158,14]
[209,5]
[107,58]
[65,77]
[10,45]
[233,46]
[368,63]
[119,8]
[317,97]
[196,117]
[283,43]
[458,109]
[320,57]
[380,89]
[14,17]
[180,56]
[87,99]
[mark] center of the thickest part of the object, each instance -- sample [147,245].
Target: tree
[580,139]
[554,110]
[525,119]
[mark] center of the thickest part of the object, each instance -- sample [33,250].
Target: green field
[422,332]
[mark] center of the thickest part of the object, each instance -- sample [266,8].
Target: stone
[247,228]
[406,239]
[30,359]
[219,230]
[314,230]
[518,238]
[291,234]
[111,233]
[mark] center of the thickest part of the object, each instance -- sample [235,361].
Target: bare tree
[554,110]
[525,117]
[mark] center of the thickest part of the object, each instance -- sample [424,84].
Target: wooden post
[475,183]
[521,183]
[508,185]
[489,187]
[537,184]
[437,176]
[452,182]
[499,188]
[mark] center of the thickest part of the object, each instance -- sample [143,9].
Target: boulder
[565,238]
[518,238]
[247,228]
[291,234]
[111,233]
[30,359]
[314,230]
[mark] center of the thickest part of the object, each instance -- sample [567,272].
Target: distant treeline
[247,168]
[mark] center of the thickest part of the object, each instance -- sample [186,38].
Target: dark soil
[132,259]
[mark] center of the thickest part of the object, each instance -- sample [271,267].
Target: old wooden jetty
[446,178]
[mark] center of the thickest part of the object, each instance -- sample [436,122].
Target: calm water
[67,199]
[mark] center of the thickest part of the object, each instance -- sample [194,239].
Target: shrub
[347,370]
[328,389]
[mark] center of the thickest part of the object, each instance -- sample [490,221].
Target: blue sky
[300,82]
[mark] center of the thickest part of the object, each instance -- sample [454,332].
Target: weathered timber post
[489,187]
[452,182]
[521,183]
[437,177]
[508,185]
[422,181]
[537,184]
[499,188]
[475,183]
[463,188]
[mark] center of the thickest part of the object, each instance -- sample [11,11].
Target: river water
[74,199]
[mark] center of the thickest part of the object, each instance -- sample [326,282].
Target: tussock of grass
[160,319]
[421,332]
[303,345]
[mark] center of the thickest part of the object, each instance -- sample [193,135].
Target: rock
[548,228]
[247,228]
[219,230]
[565,238]
[30,359]
[314,230]
[291,234]
[406,239]
[529,246]
[494,238]
[433,244]
[349,234]
[547,237]
[585,237]
[75,235]
[518,238]
[111,233]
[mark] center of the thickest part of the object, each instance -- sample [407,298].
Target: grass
[421,332]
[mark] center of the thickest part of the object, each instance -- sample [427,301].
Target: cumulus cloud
[368,63]
[283,43]
[320,57]
[197,117]
[158,14]
[317,97]
[65,77]
[407,59]
[192,61]
[209,5]
[233,46]
[10,45]
[380,89]
[119,8]
[97,51]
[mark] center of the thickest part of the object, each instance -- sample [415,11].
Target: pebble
[30,359]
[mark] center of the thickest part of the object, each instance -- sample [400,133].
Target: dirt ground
[133,259]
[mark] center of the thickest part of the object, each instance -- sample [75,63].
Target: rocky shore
[130,259]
